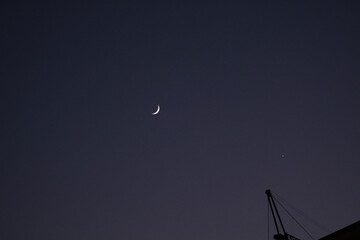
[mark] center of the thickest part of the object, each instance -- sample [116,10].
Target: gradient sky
[253,95]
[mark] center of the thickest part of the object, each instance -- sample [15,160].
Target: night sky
[254,95]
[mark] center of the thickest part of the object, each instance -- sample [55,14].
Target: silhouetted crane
[278,236]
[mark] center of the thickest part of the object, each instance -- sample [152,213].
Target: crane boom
[279,236]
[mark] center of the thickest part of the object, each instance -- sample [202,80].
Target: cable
[294,219]
[302,213]
[268,229]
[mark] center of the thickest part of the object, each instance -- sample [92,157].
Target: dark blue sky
[253,95]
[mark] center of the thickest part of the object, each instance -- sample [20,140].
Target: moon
[157,110]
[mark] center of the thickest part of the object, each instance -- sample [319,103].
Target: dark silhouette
[278,236]
[351,232]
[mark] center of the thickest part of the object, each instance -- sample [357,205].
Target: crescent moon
[157,110]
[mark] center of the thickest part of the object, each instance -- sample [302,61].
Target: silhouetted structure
[279,236]
[351,232]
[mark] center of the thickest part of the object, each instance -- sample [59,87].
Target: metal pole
[268,193]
